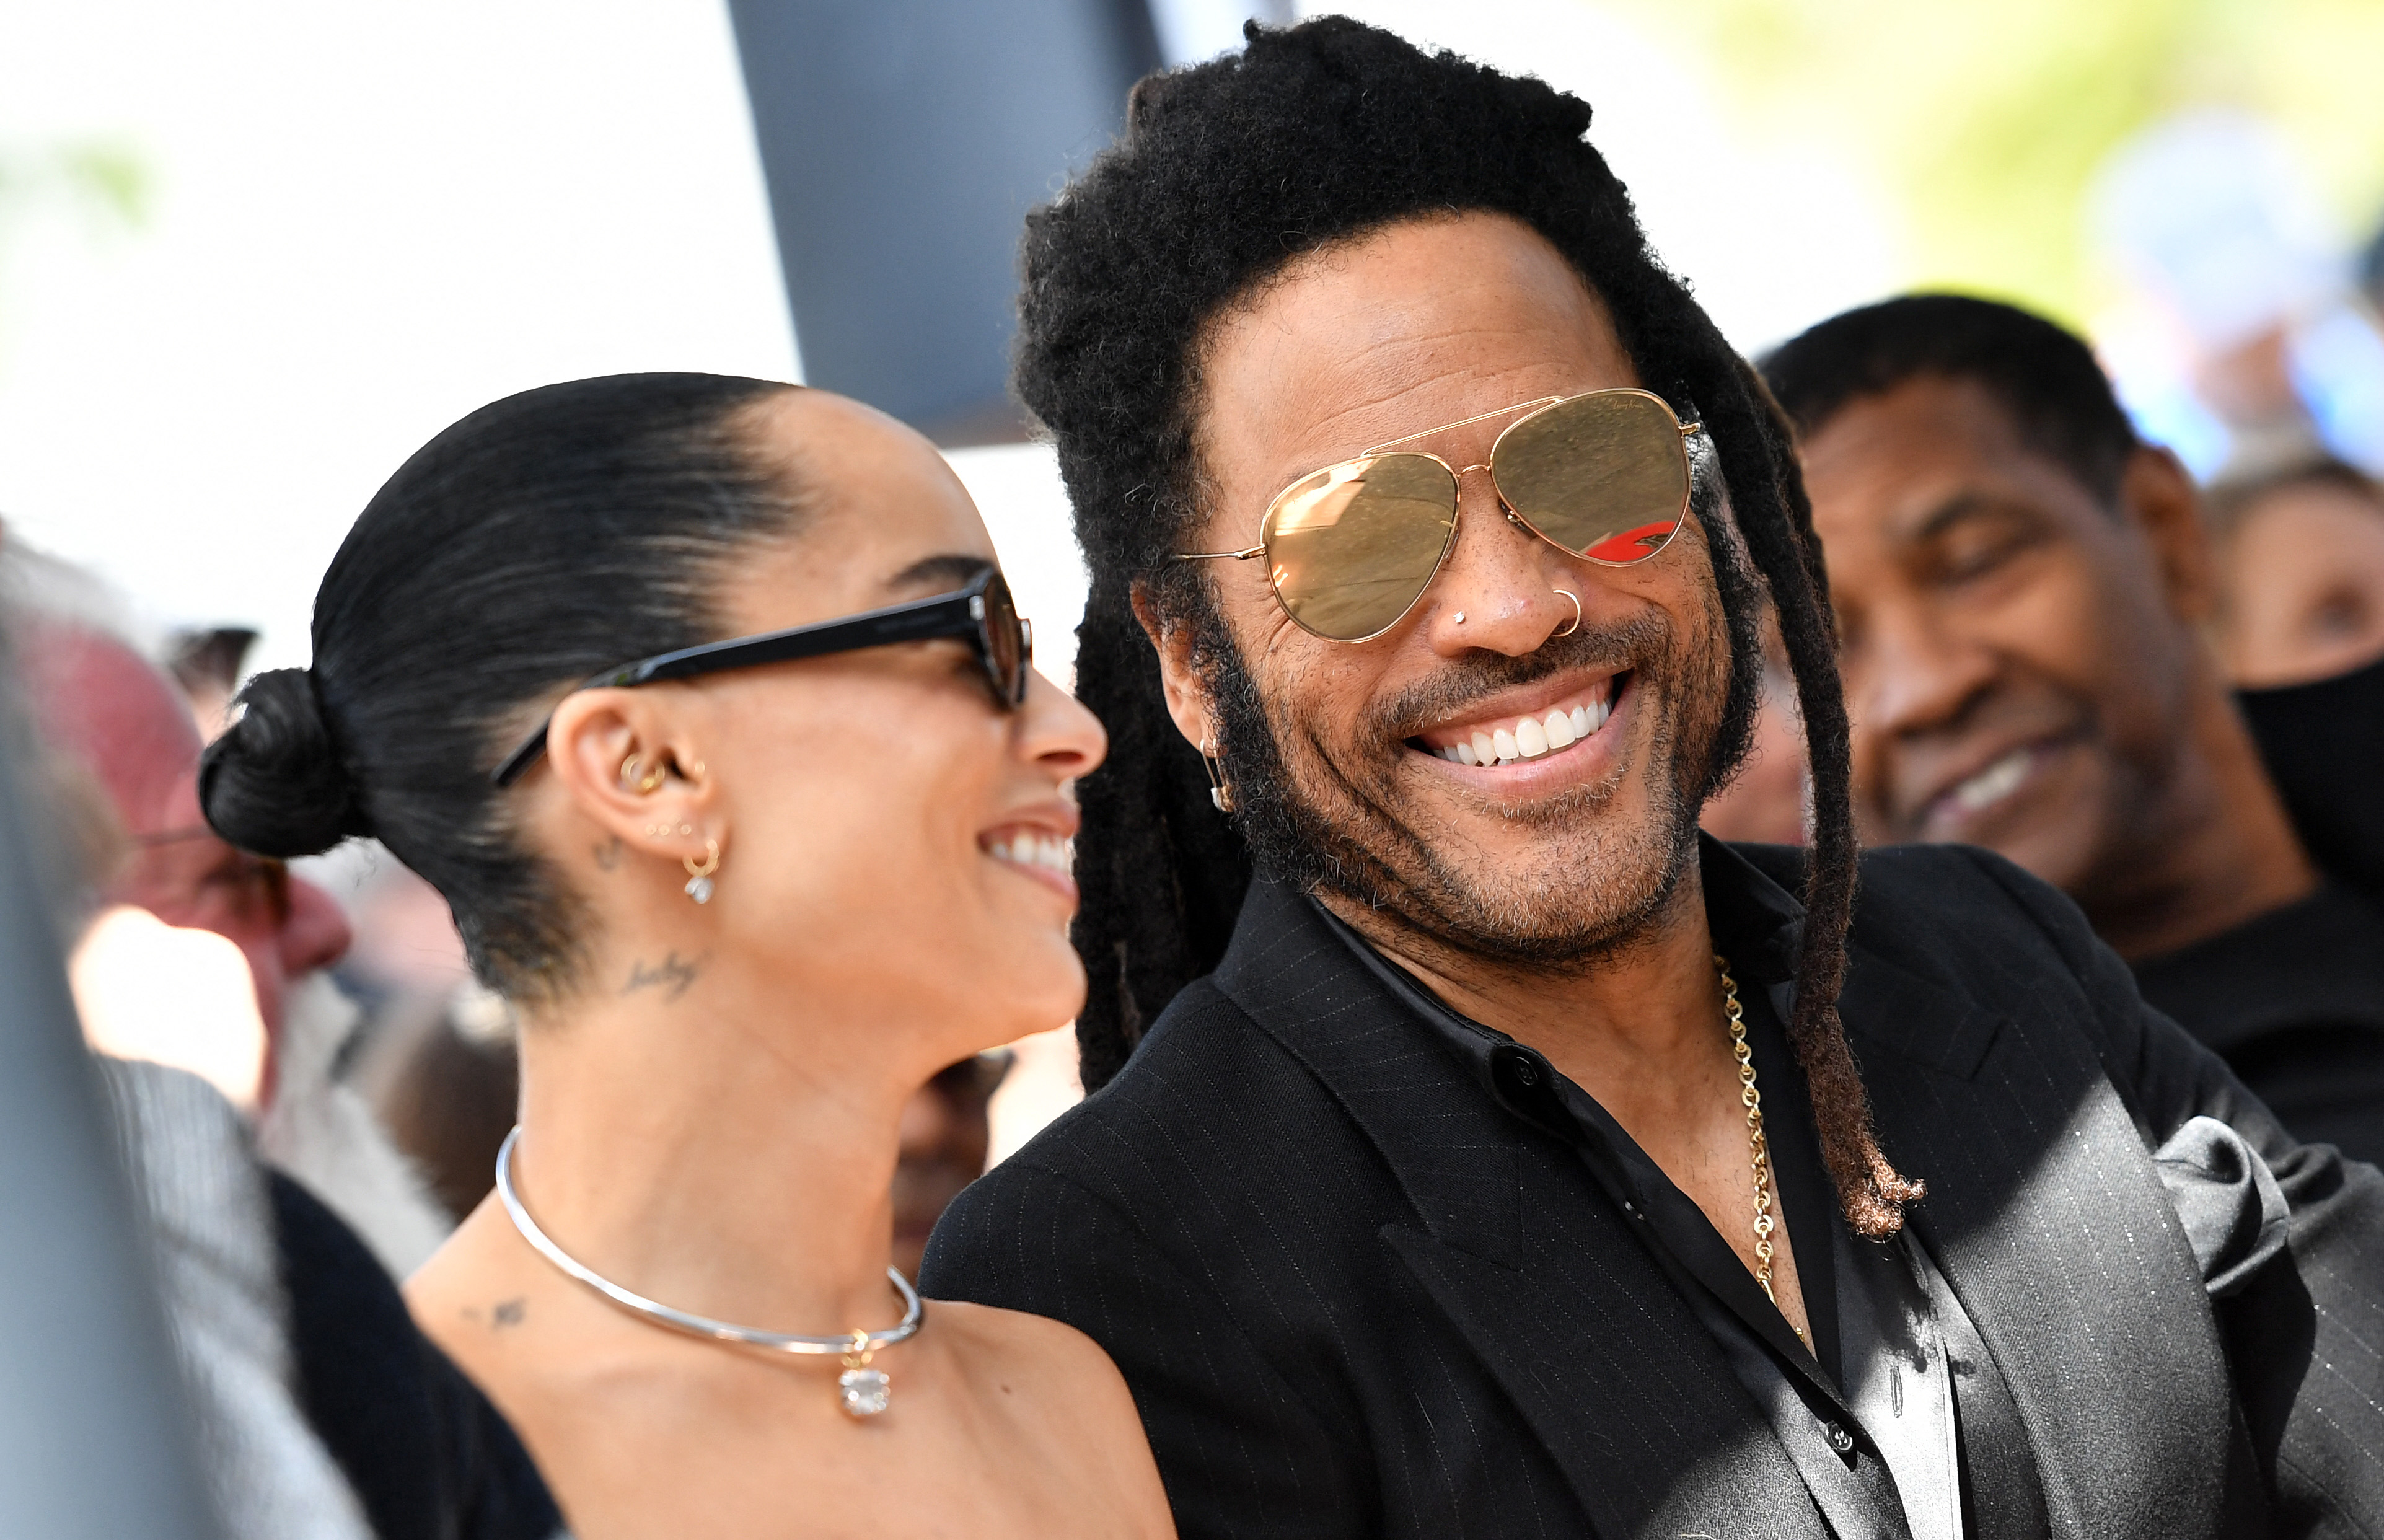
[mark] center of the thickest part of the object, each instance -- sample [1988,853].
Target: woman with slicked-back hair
[702,702]
[1477,1150]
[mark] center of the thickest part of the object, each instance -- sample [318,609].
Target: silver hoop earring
[699,877]
[1576,615]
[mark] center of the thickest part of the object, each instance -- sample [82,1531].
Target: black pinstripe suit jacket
[1354,1296]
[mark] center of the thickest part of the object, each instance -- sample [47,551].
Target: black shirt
[1907,1308]
[1357,1295]
[2293,1002]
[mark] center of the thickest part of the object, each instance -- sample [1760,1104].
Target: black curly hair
[1312,136]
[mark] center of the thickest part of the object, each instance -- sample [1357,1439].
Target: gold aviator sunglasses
[1350,548]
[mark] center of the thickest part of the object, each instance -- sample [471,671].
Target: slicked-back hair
[1314,136]
[2044,377]
[546,536]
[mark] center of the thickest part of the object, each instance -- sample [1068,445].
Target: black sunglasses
[983,611]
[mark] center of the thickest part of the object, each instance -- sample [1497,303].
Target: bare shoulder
[1065,1399]
[473,1294]
[1044,1353]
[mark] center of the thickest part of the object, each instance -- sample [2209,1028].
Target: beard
[1333,808]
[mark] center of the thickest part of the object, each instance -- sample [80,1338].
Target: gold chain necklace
[1758,1149]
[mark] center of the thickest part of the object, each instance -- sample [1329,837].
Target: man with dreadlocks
[1481,1152]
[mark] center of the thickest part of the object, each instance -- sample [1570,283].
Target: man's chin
[1507,893]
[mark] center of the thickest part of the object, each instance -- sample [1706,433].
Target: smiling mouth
[1508,740]
[1991,784]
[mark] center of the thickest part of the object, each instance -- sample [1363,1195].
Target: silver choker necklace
[863,1391]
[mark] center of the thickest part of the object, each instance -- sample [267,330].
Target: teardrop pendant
[700,889]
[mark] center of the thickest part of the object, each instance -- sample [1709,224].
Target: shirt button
[1526,1072]
[1840,1440]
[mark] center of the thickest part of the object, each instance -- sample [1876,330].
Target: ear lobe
[1187,693]
[2159,496]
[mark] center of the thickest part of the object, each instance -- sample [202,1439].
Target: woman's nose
[1057,733]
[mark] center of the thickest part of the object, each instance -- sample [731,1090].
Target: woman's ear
[1187,692]
[627,763]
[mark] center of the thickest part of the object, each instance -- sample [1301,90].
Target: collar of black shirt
[1758,925]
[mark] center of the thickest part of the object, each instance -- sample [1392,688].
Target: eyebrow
[1953,511]
[955,567]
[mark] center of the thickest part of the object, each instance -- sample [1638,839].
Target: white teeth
[1028,849]
[1993,783]
[1530,737]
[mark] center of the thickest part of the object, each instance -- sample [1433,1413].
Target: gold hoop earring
[1576,615]
[1221,791]
[699,877]
[645,784]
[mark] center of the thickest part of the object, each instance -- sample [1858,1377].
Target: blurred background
[253,255]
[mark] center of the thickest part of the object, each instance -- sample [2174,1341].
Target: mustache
[1633,644]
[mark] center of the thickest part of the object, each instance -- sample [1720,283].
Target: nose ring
[1576,615]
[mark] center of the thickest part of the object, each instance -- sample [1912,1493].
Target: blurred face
[101,703]
[2017,661]
[1540,857]
[889,832]
[946,1131]
[2301,586]
[286,927]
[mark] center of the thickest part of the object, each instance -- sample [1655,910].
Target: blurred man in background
[107,711]
[946,1135]
[320,1412]
[2022,587]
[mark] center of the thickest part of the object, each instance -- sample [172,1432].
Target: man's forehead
[1409,328]
[103,704]
[1899,465]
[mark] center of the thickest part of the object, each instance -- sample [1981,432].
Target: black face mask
[2323,742]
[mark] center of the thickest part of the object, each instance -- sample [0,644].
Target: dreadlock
[1315,135]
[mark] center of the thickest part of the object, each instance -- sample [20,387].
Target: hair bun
[275,783]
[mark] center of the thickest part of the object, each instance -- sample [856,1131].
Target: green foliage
[1985,123]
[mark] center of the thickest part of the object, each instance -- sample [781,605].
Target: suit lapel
[1525,1255]
[2048,1219]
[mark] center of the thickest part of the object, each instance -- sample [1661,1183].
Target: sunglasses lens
[1007,644]
[1351,547]
[1606,476]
